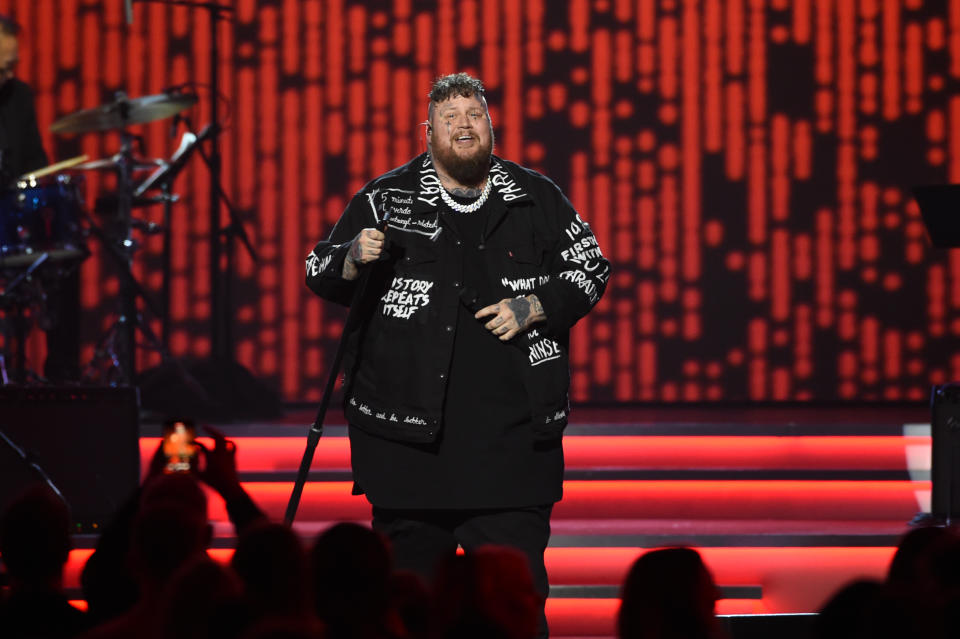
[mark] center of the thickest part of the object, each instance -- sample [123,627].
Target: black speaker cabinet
[85,439]
[945,461]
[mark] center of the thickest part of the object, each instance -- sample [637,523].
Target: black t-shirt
[485,456]
[19,135]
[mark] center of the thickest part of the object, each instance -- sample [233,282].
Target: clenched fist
[366,247]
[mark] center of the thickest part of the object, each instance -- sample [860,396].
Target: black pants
[421,538]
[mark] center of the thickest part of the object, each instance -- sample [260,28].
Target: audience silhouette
[151,576]
[669,594]
[488,592]
[35,545]
[351,571]
[272,565]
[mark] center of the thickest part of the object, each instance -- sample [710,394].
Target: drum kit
[45,227]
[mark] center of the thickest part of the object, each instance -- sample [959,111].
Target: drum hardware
[118,346]
[17,300]
[235,229]
[146,227]
[40,226]
[108,364]
[162,178]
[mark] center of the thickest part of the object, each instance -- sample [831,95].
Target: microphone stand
[316,430]
[30,461]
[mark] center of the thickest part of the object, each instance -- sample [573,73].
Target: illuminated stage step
[890,501]
[893,454]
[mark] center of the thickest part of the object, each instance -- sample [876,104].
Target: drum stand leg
[15,338]
[118,347]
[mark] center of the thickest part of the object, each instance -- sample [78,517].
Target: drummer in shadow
[21,151]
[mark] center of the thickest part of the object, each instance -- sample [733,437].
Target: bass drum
[41,216]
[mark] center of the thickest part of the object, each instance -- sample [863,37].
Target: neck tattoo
[467,208]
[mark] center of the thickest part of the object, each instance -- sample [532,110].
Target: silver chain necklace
[467,208]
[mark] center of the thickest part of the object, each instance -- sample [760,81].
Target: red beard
[469,170]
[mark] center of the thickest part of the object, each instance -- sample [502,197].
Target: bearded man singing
[456,380]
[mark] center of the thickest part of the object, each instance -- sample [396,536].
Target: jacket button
[449,329]
[456,285]
[443,376]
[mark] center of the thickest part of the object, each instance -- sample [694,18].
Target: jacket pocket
[525,254]
[411,290]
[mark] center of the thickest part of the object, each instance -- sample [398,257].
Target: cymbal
[123,112]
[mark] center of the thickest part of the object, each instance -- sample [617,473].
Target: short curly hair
[9,26]
[455,84]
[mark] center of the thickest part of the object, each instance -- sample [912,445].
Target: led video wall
[746,166]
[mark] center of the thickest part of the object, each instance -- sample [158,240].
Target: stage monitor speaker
[85,439]
[945,459]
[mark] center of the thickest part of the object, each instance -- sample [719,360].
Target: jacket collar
[505,185]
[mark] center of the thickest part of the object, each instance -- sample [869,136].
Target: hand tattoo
[521,310]
[537,306]
[356,252]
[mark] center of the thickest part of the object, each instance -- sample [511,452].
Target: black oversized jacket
[398,358]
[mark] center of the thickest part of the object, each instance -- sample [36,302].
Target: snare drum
[41,216]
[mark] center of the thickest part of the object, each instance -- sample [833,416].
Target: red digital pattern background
[745,165]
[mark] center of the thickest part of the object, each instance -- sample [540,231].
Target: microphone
[128,11]
[188,144]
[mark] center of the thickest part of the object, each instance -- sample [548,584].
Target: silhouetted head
[488,590]
[910,565]
[201,600]
[869,609]
[351,570]
[272,564]
[35,538]
[668,593]
[170,528]
[848,609]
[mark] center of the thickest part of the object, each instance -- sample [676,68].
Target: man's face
[460,138]
[9,56]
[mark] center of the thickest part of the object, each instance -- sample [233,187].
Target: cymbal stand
[166,267]
[220,341]
[126,338]
[226,235]
[18,305]
[118,344]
